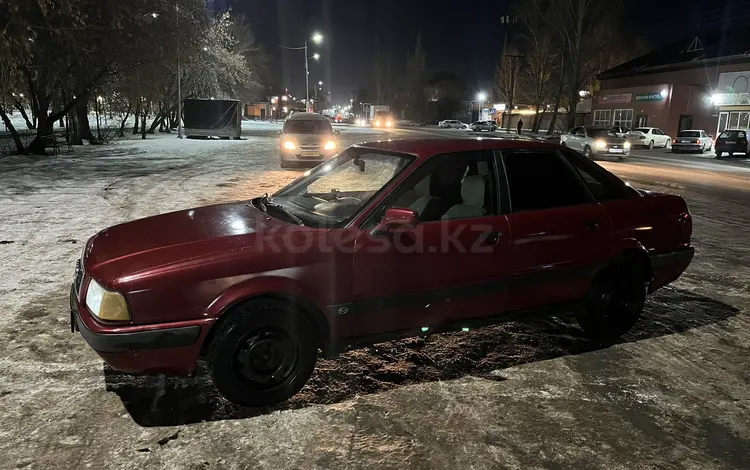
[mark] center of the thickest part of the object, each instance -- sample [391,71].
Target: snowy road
[673,394]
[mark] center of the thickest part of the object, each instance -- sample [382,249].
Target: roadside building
[260,110]
[700,83]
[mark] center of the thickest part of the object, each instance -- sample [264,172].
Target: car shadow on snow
[169,401]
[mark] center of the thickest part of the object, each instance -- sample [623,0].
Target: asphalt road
[673,393]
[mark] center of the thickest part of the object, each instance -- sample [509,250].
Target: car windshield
[689,134]
[732,134]
[593,132]
[333,193]
[307,126]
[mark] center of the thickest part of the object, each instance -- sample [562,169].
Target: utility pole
[179,78]
[507,20]
[512,84]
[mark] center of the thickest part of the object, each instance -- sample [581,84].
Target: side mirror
[396,219]
[336,131]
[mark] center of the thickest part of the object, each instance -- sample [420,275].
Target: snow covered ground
[672,394]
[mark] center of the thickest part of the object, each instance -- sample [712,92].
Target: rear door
[559,234]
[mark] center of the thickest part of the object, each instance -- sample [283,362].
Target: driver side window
[451,186]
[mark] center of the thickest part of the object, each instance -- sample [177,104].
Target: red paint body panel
[187,268]
[563,248]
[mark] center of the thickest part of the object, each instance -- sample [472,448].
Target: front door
[450,268]
[641,120]
[560,235]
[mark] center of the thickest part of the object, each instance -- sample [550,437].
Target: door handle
[492,238]
[592,225]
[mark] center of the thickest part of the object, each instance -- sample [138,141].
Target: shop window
[734,120]
[602,117]
[623,117]
[744,121]
[723,121]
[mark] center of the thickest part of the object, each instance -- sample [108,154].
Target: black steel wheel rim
[616,297]
[265,359]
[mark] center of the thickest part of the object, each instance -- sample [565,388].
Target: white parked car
[591,140]
[452,124]
[649,137]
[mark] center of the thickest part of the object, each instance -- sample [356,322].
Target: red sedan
[386,240]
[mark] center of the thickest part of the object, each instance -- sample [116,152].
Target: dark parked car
[694,140]
[731,141]
[387,240]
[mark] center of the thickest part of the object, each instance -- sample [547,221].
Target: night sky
[466,39]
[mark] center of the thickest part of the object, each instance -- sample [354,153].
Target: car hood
[122,251]
[611,139]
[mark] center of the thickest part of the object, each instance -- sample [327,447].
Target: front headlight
[377,123]
[626,145]
[330,145]
[388,123]
[600,144]
[106,305]
[289,145]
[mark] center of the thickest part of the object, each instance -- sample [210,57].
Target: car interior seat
[473,199]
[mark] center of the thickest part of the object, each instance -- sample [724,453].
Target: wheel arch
[226,305]
[633,252]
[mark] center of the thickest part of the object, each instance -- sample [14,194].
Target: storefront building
[703,83]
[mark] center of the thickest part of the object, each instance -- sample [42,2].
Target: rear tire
[263,354]
[651,145]
[614,303]
[719,154]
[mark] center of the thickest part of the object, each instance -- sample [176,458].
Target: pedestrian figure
[520,126]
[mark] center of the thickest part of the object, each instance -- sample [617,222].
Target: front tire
[668,144]
[587,151]
[263,354]
[614,303]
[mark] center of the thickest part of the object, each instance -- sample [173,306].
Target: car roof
[307,117]
[692,130]
[426,148]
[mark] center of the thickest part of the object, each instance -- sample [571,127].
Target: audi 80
[386,240]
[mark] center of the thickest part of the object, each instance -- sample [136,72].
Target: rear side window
[541,180]
[604,186]
[311,126]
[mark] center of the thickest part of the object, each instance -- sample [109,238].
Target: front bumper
[614,152]
[667,267]
[158,348]
[306,155]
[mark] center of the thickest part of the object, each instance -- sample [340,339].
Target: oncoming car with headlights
[591,141]
[306,139]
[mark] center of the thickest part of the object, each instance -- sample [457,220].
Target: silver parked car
[307,138]
[452,124]
[479,126]
[693,140]
[591,140]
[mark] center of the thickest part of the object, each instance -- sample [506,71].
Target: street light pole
[307,81]
[179,79]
